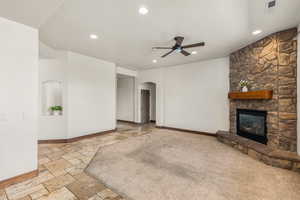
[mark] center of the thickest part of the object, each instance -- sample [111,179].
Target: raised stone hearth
[261,152]
[269,64]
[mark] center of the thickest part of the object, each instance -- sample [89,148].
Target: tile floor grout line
[71,192]
[5,193]
[86,153]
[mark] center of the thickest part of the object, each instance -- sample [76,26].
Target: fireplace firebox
[252,124]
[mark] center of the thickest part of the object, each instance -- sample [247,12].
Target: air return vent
[272,4]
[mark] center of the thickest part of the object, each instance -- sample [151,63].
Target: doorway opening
[125,102]
[148,103]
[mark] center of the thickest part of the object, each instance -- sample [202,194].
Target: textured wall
[270,63]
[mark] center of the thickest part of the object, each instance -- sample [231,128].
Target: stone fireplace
[266,129]
[269,64]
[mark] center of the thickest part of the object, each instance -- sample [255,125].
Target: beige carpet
[170,165]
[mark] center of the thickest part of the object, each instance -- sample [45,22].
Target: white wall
[19,100]
[191,96]
[298,91]
[154,76]
[153,102]
[196,96]
[91,95]
[53,127]
[125,99]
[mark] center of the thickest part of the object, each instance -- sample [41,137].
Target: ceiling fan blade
[179,40]
[194,45]
[162,48]
[167,54]
[185,53]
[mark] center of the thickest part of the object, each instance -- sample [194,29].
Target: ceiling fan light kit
[179,48]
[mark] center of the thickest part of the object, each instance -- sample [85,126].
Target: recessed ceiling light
[154,61]
[143,10]
[256,32]
[194,52]
[93,36]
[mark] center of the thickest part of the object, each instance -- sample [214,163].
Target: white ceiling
[30,12]
[127,38]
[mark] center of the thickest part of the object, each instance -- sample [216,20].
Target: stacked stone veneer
[270,63]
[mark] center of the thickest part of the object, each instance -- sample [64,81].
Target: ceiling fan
[179,48]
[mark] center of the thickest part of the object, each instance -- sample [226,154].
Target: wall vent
[271,4]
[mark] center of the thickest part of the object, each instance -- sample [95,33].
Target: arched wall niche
[52,96]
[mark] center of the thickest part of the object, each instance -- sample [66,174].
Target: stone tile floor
[61,169]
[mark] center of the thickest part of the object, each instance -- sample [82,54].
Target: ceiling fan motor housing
[178,38]
[179,48]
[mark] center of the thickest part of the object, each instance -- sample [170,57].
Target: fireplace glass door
[252,125]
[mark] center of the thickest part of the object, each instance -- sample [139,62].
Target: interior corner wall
[191,96]
[19,89]
[125,99]
[91,95]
